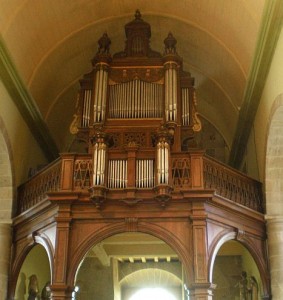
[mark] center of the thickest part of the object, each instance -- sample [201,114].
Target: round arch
[151,229]
[6,206]
[33,261]
[251,248]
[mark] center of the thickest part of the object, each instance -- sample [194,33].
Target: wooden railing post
[67,171]
[197,173]
[131,149]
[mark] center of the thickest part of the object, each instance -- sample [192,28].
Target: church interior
[141,153]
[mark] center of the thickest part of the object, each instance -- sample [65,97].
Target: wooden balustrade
[35,189]
[189,171]
[232,184]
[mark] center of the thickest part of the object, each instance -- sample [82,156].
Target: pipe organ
[136,92]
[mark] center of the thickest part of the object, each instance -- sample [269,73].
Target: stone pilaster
[5,250]
[275,242]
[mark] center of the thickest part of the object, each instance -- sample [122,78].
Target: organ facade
[140,104]
[140,171]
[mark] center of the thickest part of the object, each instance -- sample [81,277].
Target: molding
[26,104]
[267,40]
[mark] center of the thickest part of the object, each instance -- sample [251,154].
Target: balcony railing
[189,171]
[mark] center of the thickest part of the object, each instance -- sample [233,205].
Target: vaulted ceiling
[47,46]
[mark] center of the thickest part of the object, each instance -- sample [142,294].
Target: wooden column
[201,292]
[202,289]
[59,287]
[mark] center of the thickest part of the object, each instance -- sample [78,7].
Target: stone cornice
[26,104]
[268,36]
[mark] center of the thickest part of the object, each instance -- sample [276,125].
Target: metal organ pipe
[185,106]
[162,162]
[117,173]
[135,99]
[100,93]
[144,173]
[99,163]
[171,91]
[86,108]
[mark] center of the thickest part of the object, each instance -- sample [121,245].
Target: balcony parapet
[189,171]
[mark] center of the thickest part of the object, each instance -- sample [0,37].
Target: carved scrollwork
[145,74]
[196,120]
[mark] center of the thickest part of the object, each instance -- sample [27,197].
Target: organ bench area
[136,114]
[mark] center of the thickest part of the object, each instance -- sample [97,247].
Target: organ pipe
[99,154]
[135,99]
[171,91]
[117,173]
[162,162]
[86,108]
[144,173]
[185,106]
[100,93]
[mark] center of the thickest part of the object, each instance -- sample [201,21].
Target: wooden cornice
[268,36]
[26,104]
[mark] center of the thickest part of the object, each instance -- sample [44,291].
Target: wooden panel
[199,233]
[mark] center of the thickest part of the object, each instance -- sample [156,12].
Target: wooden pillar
[201,292]
[201,288]
[5,248]
[59,287]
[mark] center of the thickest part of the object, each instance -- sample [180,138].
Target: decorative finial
[104,44]
[170,44]
[138,15]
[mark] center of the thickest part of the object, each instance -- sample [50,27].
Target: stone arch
[6,206]
[274,192]
[112,229]
[6,176]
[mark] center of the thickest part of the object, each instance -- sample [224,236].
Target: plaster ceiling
[51,43]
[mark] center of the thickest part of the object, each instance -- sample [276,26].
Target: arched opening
[125,265]
[153,294]
[274,191]
[235,273]
[34,275]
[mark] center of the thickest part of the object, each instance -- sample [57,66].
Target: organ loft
[139,170]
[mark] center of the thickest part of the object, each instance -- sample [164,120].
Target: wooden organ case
[136,112]
[135,109]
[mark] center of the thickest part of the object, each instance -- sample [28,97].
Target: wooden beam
[101,255]
[268,36]
[26,104]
